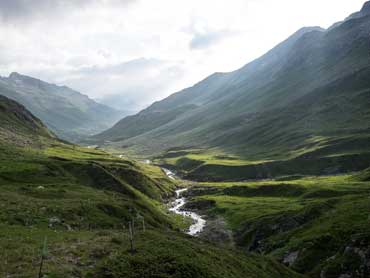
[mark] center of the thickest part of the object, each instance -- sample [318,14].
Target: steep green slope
[80,200]
[66,112]
[19,127]
[309,97]
[363,175]
[36,165]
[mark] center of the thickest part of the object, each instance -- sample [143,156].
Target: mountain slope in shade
[306,93]
[66,112]
[19,127]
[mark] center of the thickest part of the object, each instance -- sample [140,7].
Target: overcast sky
[145,50]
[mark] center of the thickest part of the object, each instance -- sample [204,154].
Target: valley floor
[75,206]
[72,206]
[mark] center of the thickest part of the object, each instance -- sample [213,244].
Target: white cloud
[147,49]
[21,11]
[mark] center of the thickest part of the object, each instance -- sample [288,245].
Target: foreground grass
[105,253]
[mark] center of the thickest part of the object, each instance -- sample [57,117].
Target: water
[198,221]
[169,173]
[180,201]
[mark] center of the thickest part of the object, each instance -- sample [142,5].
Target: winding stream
[177,205]
[169,173]
[180,201]
[198,221]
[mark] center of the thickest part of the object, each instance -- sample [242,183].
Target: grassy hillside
[66,112]
[307,100]
[193,258]
[20,127]
[75,204]
[317,226]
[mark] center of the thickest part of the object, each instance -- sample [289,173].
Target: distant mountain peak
[310,29]
[365,11]
[17,76]
[366,8]
[305,30]
[24,80]
[14,75]
[38,83]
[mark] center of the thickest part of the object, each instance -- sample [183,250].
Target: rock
[53,221]
[217,232]
[345,276]
[68,227]
[290,258]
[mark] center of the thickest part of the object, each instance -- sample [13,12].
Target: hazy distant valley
[68,113]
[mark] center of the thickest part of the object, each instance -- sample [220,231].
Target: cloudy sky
[144,50]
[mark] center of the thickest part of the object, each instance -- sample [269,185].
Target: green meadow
[81,200]
[321,219]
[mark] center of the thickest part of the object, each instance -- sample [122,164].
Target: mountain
[66,112]
[19,126]
[309,93]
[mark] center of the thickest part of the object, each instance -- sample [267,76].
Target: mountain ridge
[19,127]
[251,112]
[67,112]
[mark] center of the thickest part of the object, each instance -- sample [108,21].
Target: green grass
[193,258]
[363,175]
[105,253]
[192,158]
[316,216]
[215,165]
[84,179]
[238,209]
[82,200]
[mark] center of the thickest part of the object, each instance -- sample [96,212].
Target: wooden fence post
[44,254]
[131,235]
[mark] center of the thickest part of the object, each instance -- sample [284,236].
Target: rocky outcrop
[290,258]
[353,260]
[217,232]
